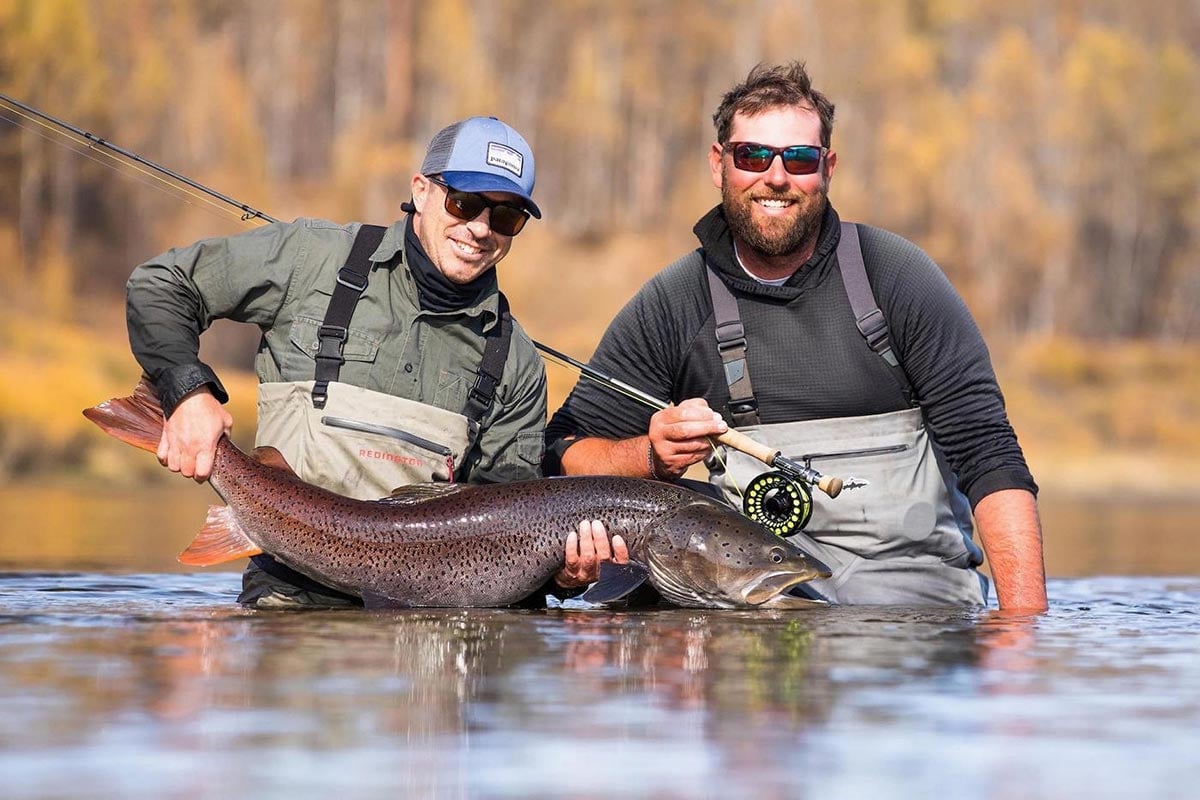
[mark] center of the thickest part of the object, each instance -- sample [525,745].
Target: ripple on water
[105,676]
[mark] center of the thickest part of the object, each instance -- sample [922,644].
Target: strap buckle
[730,335]
[484,389]
[743,407]
[346,278]
[320,394]
[874,329]
[330,339]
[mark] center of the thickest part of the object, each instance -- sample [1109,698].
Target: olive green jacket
[280,277]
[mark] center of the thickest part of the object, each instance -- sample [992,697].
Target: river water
[154,684]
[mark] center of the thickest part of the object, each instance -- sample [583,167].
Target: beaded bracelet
[653,468]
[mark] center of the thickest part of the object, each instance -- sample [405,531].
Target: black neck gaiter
[435,291]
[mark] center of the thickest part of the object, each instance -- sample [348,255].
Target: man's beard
[774,236]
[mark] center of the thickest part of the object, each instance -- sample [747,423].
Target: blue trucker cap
[482,154]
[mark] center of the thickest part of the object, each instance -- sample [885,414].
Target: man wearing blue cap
[388,355]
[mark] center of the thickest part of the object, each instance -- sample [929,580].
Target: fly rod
[738,441]
[733,438]
[94,141]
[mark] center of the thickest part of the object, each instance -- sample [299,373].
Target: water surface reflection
[154,685]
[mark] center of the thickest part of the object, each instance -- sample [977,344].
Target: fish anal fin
[221,539]
[616,582]
[373,600]
[270,457]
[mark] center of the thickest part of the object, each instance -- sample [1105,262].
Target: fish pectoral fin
[420,492]
[270,457]
[616,581]
[221,539]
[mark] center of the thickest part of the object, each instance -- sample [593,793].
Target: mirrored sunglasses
[798,159]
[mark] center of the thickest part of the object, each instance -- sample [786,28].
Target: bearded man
[842,345]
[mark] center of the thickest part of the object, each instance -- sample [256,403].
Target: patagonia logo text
[381,455]
[504,157]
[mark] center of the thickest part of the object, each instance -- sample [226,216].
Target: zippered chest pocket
[862,452]
[408,456]
[392,433]
[882,468]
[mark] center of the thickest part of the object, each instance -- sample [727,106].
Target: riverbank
[1098,418]
[1095,420]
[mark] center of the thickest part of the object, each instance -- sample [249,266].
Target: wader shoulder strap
[491,368]
[867,316]
[731,344]
[351,283]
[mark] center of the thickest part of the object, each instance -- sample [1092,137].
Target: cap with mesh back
[482,154]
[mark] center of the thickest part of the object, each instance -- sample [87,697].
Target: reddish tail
[135,420]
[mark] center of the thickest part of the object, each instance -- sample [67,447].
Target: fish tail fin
[135,420]
[221,539]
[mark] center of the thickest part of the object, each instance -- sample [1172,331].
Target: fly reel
[778,503]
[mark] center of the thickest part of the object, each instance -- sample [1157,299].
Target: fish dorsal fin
[420,492]
[616,581]
[270,457]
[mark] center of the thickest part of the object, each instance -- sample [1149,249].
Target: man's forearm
[1011,534]
[595,456]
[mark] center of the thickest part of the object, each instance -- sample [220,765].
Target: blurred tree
[1172,141]
[1045,154]
[1015,242]
[1129,114]
[51,50]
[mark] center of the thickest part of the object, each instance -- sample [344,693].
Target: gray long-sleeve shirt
[280,277]
[806,357]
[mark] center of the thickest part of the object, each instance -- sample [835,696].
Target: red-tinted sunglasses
[506,219]
[798,159]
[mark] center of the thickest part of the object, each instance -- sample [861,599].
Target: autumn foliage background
[1046,154]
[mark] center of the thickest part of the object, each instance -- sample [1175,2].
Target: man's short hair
[772,86]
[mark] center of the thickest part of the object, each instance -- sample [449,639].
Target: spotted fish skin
[453,545]
[489,545]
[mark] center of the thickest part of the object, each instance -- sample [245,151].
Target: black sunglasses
[506,219]
[799,159]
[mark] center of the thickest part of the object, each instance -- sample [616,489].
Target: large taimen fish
[465,545]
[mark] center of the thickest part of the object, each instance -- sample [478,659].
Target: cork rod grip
[830,485]
[743,443]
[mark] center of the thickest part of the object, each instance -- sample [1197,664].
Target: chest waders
[358,442]
[905,538]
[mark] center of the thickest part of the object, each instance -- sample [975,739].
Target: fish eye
[776,555]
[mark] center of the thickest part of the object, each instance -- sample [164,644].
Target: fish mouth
[727,594]
[771,585]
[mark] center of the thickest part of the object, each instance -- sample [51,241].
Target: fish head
[707,555]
